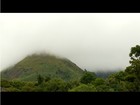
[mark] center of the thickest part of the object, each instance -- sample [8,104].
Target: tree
[5,83]
[133,70]
[98,81]
[47,78]
[12,89]
[84,88]
[135,61]
[135,52]
[72,83]
[56,85]
[103,88]
[88,78]
[130,77]
[29,87]
[17,84]
[40,79]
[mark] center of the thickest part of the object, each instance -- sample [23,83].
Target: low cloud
[92,41]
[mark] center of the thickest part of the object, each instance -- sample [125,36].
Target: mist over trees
[122,81]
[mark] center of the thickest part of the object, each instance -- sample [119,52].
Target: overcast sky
[94,41]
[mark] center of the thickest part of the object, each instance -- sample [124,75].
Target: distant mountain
[104,74]
[43,64]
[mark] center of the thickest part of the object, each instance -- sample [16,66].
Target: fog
[94,41]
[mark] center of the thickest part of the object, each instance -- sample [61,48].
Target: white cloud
[91,40]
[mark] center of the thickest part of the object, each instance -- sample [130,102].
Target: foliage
[103,88]
[133,70]
[87,78]
[5,83]
[122,81]
[98,81]
[29,87]
[83,88]
[40,79]
[45,65]
[47,78]
[56,85]
[72,84]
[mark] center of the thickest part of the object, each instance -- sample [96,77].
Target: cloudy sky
[94,41]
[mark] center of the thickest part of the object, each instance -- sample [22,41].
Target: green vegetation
[45,80]
[87,77]
[45,65]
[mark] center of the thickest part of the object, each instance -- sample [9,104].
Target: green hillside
[43,64]
[48,73]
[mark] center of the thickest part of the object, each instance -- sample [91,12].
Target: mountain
[104,74]
[45,65]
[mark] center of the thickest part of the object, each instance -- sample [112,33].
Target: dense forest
[127,80]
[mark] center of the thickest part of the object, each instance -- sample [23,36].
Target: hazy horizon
[93,41]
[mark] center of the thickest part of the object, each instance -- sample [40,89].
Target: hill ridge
[43,64]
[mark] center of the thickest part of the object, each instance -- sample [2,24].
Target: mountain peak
[45,65]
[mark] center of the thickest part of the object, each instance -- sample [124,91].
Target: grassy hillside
[45,65]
